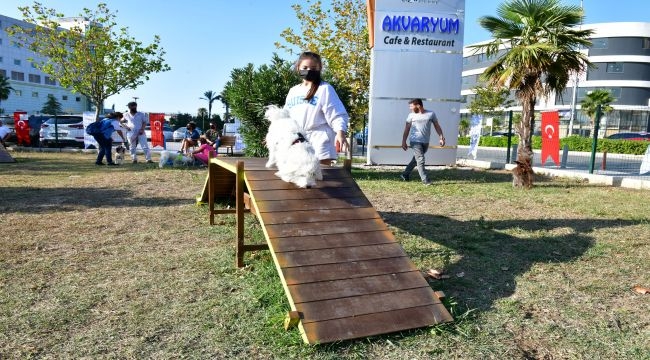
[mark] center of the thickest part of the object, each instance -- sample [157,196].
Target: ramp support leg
[239,207]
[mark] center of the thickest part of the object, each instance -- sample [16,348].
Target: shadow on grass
[490,260]
[36,200]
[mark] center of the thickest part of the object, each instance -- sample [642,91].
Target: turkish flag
[21,125]
[551,136]
[157,121]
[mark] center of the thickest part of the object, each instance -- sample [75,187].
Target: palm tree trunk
[522,174]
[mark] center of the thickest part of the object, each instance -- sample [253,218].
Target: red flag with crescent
[21,125]
[156,122]
[551,136]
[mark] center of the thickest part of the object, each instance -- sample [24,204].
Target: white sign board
[417,53]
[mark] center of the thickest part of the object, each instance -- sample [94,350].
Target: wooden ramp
[4,156]
[343,271]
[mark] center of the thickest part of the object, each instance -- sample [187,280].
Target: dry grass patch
[120,263]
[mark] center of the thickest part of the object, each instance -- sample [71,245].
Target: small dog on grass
[172,158]
[120,153]
[290,151]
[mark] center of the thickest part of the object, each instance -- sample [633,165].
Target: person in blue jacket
[104,138]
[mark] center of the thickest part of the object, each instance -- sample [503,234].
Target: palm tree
[595,98]
[201,113]
[5,89]
[211,96]
[544,43]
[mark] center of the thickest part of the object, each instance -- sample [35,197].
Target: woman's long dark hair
[314,84]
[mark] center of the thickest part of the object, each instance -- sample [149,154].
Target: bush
[576,143]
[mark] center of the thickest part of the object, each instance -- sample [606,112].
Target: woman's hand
[341,142]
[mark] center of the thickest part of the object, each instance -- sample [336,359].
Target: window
[0,41]
[480,58]
[0,58]
[646,43]
[466,80]
[18,76]
[77,99]
[466,61]
[34,78]
[64,97]
[17,62]
[49,81]
[463,99]
[18,92]
[34,93]
[3,72]
[602,43]
[615,67]
[33,65]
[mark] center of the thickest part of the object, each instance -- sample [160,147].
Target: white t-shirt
[421,126]
[135,122]
[320,118]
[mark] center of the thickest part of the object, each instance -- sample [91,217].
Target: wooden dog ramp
[4,156]
[343,271]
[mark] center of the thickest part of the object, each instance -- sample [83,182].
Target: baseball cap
[132,103]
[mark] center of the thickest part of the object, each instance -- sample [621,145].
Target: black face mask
[310,75]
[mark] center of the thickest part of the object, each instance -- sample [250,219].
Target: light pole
[574,96]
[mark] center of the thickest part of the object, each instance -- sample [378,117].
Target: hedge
[576,143]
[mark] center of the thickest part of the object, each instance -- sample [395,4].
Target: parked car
[70,131]
[635,136]
[180,133]
[9,121]
[167,131]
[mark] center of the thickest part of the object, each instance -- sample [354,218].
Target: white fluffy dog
[290,151]
[172,158]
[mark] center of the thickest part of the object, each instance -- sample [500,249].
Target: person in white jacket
[136,122]
[317,109]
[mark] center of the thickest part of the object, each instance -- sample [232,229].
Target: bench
[229,143]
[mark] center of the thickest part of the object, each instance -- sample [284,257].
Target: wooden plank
[269,174]
[339,255]
[313,204]
[282,185]
[289,217]
[374,324]
[349,270]
[312,193]
[366,304]
[325,227]
[326,241]
[355,287]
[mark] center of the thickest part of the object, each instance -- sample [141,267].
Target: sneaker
[99,163]
[113,164]
[404,178]
[426,183]
[149,161]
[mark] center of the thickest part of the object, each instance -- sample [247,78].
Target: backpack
[94,128]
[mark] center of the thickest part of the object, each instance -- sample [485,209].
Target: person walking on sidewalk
[418,130]
[136,122]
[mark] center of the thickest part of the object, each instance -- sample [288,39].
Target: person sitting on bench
[191,137]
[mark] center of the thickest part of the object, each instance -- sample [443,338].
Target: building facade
[31,86]
[620,53]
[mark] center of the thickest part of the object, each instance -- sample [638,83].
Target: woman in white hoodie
[317,109]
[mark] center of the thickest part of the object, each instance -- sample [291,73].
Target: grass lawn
[100,262]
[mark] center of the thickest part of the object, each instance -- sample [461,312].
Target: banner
[21,126]
[89,117]
[474,135]
[551,136]
[156,123]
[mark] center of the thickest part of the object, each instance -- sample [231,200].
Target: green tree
[201,113]
[51,106]
[5,90]
[543,41]
[490,101]
[250,90]
[594,98]
[93,58]
[210,96]
[339,33]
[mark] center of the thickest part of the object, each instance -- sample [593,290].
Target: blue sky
[206,39]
